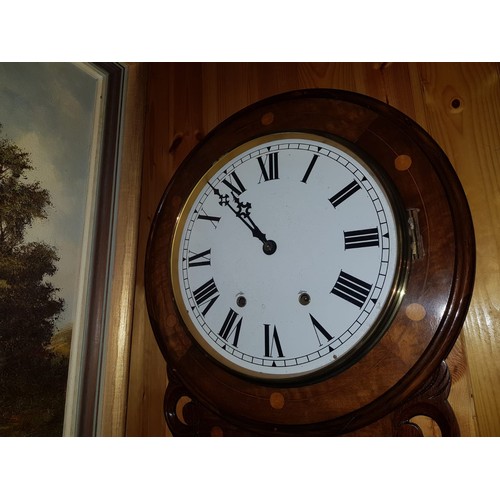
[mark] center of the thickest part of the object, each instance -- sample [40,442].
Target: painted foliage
[47,117]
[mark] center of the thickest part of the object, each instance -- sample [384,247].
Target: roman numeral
[206,294]
[318,327]
[199,259]
[309,168]
[239,188]
[204,216]
[229,330]
[351,289]
[361,238]
[345,193]
[268,167]
[271,342]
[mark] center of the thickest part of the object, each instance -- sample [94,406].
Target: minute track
[323,208]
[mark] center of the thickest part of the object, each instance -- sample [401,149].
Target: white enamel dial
[285,256]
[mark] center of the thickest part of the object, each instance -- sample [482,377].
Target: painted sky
[47,109]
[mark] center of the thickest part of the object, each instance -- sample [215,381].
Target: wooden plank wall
[457,103]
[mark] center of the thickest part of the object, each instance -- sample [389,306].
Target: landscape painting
[48,116]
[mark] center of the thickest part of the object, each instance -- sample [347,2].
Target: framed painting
[69,190]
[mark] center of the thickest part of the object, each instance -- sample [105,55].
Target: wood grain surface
[112,410]
[457,103]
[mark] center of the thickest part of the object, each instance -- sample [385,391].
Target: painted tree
[29,305]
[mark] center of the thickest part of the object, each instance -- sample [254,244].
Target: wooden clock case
[404,375]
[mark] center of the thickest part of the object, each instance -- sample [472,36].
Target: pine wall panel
[457,103]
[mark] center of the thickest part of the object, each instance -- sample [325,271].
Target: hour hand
[242,212]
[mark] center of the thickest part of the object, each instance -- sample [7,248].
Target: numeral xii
[269,166]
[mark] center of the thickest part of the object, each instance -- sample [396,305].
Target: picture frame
[99,359]
[71,146]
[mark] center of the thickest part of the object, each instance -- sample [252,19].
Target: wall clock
[308,270]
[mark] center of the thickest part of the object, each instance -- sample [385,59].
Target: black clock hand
[242,211]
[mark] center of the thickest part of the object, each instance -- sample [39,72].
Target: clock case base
[187,417]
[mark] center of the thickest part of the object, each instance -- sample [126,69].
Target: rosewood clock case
[404,374]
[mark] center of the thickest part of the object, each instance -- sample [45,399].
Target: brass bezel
[392,302]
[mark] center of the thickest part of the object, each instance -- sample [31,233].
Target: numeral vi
[272,341]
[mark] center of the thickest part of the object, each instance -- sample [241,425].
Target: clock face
[286,257]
